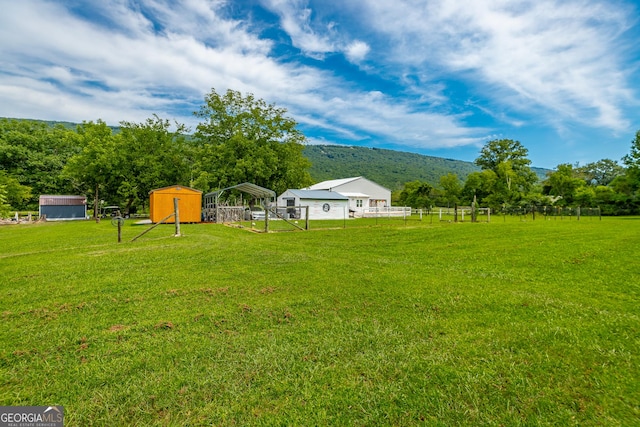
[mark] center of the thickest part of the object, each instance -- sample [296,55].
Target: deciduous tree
[150,155]
[564,182]
[416,194]
[16,195]
[452,187]
[507,159]
[244,139]
[33,153]
[92,169]
[601,172]
[632,161]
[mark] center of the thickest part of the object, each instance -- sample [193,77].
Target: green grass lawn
[513,322]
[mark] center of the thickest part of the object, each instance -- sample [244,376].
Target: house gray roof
[327,185]
[318,195]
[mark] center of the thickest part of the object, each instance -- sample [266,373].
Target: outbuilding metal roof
[49,200]
[174,187]
[255,190]
[328,185]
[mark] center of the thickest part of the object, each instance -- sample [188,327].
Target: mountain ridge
[389,168]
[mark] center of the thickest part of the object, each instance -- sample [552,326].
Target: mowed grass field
[380,323]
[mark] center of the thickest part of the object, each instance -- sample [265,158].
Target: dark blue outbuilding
[63,207]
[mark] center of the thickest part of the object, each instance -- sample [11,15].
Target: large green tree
[33,153]
[632,161]
[244,139]
[507,159]
[416,194]
[16,195]
[4,206]
[565,183]
[479,185]
[451,187]
[93,169]
[150,155]
[601,172]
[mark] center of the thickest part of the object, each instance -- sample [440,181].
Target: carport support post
[266,219]
[176,210]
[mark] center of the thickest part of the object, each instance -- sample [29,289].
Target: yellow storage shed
[189,204]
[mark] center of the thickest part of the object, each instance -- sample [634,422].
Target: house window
[358,203]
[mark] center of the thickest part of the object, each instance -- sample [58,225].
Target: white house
[363,194]
[322,204]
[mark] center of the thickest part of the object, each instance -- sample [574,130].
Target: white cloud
[58,66]
[82,57]
[377,116]
[559,57]
[295,18]
[357,51]
[314,37]
[551,61]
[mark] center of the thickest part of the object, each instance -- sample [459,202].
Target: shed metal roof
[174,187]
[62,200]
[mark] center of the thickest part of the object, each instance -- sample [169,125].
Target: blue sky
[436,77]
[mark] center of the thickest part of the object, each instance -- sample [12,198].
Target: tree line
[239,138]
[244,139]
[506,183]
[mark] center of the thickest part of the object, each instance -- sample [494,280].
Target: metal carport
[264,195]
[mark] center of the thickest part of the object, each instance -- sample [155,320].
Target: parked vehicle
[255,213]
[113,211]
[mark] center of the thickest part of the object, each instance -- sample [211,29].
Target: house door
[291,211]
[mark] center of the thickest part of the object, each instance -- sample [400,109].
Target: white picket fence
[386,211]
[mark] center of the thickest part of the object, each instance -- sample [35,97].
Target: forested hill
[391,169]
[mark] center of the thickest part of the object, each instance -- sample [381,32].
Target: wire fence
[554,212]
[296,219]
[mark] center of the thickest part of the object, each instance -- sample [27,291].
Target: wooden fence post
[473,209]
[176,211]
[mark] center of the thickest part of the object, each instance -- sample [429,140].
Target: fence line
[386,211]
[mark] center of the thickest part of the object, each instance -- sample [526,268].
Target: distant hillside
[52,123]
[391,169]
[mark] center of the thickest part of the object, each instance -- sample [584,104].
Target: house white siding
[322,204]
[362,193]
